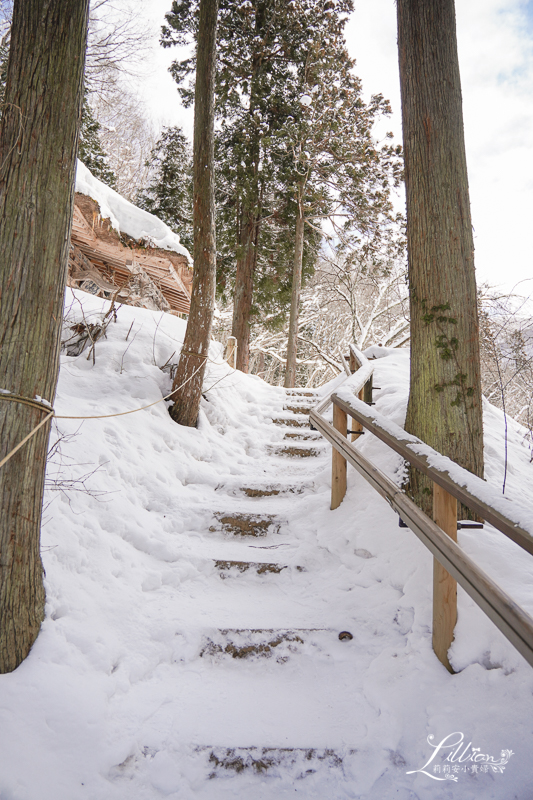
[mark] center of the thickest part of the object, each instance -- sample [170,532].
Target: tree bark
[444,406]
[292,347]
[38,144]
[244,289]
[190,374]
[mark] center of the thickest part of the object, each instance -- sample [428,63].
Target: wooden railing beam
[515,624]
[485,511]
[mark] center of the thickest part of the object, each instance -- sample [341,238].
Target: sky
[495,39]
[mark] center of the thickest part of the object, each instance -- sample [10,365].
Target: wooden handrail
[451,562]
[354,383]
[424,458]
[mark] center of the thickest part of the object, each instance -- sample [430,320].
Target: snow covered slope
[166,669]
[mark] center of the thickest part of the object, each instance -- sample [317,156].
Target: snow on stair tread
[310,436]
[299,762]
[258,643]
[295,450]
[246,524]
[231,568]
[248,768]
[296,421]
[265,488]
[298,409]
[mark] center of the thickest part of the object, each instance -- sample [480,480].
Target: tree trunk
[292,348]
[244,289]
[251,213]
[190,374]
[38,144]
[445,396]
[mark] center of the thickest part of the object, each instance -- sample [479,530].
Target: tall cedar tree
[38,144]
[259,43]
[445,394]
[90,149]
[169,194]
[338,171]
[190,373]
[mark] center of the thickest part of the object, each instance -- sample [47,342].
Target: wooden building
[109,264]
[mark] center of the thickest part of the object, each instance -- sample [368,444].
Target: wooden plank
[515,623]
[338,462]
[402,443]
[444,585]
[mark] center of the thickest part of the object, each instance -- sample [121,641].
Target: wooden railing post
[444,586]
[338,462]
[356,426]
[231,351]
[367,391]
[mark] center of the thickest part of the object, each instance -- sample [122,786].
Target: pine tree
[337,172]
[169,194]
[258,43]
[271,54]
[90,150]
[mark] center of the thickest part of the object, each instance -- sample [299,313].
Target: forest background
[353,269]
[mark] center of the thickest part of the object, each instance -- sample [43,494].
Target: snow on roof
[125,217]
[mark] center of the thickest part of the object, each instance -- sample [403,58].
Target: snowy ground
[128,693]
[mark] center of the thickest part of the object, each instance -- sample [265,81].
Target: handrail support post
[356,426]
[338,462]
[231,352]
[444,586]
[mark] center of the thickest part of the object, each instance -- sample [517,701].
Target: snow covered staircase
[298,406]
[186,663]
[257,514]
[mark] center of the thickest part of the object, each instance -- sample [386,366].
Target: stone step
[263,488]
[294,451]
[292,422]
[231,568]
[297,763]
[239,643]
[297,409]
[271,491]
[240,524]
[311,436]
